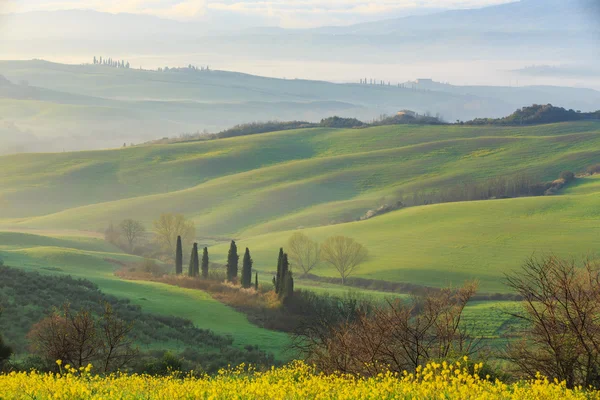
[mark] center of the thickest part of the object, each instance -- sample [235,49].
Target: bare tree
[344,254]
[117,344]
[303,252]
[561,321]
[132,230]
[399,336]
[169,226]
[65,336]
[79,339]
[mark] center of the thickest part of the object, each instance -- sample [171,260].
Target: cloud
[299,13]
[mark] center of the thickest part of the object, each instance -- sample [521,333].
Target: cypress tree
[179,257]
[278,278]
[205,263]
[289,285]
[196,261]
[247,270]
[193,268]
[232,262]
[256,282]
[285,270]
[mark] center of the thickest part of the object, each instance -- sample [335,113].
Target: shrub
[567,176]
[594,169]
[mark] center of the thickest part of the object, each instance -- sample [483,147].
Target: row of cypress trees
[232,264]
[194,267]
[232,267]
[283,281]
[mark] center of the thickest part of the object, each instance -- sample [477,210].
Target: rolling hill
[259,188]
[46,106]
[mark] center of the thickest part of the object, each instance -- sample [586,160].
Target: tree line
[538,114]
[111,63]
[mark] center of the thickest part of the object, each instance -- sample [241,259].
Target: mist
[487,61]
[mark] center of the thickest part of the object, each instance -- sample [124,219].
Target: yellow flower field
[296,381]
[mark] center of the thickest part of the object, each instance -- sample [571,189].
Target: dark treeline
[538,114]
[254,128]
[493,188]
[30,299]
[263,127]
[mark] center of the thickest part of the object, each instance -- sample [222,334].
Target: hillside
[55,107]
[253,188]
[90,258]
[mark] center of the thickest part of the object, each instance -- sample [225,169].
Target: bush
[594,169]
[338,122]
[567,176]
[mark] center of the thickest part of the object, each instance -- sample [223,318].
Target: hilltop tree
[247,270]
[205,263]
[179,257]
[169,226]
[132,231]
[303,252]
[194,268]
[256,282]
[344,254]
[232,262]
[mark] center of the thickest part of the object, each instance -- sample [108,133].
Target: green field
[449,243]
[258,189]
[87,258]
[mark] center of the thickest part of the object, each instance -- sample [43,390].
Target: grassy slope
[449,243]
[86,258]
[256,187]
[253,185]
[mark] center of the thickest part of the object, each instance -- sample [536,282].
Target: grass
[260,188]
[253,185]
[447,244]
[86,258]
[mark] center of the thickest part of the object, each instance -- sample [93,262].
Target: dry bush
[593,169]
[400,336]
[561,338]
[79,339]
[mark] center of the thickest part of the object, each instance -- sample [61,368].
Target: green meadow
[91,259]
[259,189]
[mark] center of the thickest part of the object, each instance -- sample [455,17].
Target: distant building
[424,81]
[407,112]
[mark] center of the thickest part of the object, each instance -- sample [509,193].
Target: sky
[284,13]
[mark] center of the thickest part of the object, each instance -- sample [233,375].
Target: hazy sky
[286,13]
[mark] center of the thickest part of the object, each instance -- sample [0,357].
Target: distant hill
[71,107]
[530,31]
[518,16]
